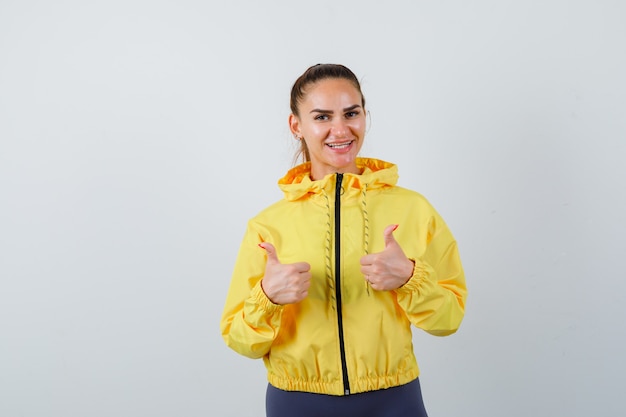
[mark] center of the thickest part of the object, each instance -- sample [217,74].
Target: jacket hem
[336,388]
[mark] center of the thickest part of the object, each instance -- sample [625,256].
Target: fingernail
[395,227]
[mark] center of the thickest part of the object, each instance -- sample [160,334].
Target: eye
[352,114]
[321,117]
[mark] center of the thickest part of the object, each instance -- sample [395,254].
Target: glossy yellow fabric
[299,343]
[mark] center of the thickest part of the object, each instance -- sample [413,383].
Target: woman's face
[332,123]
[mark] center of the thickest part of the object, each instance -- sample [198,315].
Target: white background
[138,137]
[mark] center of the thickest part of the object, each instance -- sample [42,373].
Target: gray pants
[402,401]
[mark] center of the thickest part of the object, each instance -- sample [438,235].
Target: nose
[339,127]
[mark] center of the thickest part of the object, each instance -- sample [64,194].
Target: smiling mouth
[342,145]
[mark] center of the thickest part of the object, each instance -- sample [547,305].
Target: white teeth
[339,145]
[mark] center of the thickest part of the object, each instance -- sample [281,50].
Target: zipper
[342,348]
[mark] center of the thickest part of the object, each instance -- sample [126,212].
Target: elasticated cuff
[421,273]
[262,301]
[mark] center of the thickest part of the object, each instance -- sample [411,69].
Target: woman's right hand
[284,283]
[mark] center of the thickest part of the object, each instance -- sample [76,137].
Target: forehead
[332,91]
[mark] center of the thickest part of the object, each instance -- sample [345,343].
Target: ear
[294,125]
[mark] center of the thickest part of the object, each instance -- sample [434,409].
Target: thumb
[388,235]
[270,250]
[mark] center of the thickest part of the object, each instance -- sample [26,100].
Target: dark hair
[312,75]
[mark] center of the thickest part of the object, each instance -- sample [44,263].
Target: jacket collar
[375,173]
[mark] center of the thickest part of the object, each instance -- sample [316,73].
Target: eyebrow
[346,109]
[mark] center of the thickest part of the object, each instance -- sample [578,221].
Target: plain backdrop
[138,137]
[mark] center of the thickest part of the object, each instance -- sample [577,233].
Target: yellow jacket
[344,337]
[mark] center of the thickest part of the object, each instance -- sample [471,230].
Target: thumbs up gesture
[389,269]
[284,283]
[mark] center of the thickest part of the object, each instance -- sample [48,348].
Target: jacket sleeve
[250,321]
[434,297]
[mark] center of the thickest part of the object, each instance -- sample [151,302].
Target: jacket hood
[375,173]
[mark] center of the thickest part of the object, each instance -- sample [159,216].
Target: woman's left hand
[389,269]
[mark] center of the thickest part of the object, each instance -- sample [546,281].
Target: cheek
[317,130]
[358,126]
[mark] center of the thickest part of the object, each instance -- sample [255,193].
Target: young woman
[329,280]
